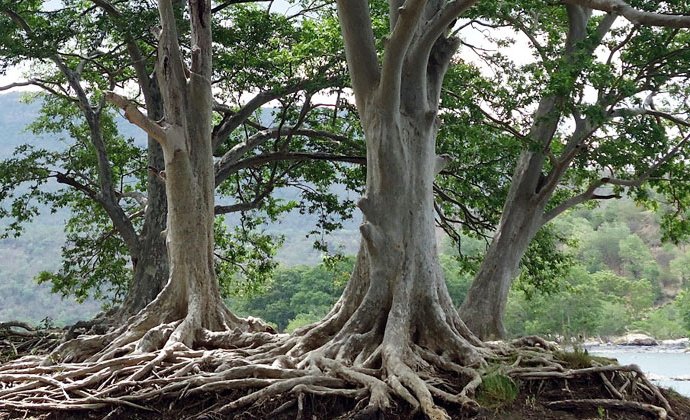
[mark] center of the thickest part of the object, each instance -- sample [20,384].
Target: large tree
[594,132]
[76,109]
[394,331]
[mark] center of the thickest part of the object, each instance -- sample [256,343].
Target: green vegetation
[496,391]
[623,279]
[620,278]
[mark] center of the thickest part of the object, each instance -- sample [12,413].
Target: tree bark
[530,190]
[151,268]
[396,314]
[484,306]
[189,305]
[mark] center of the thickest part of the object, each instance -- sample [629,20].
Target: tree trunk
[190,305]
[485,304]
[151,269]
[396,313]
[191,298]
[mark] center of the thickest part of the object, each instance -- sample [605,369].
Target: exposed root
[414,376]
[654,410]
[17,338]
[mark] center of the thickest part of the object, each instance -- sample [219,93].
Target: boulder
[635,340]
[679,343]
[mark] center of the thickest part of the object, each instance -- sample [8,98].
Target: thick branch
[395,52]
[638,17]
[360,49]
[439,25]
[17,84]
[225,4]
[138,60]
[251,205]
[137,118]
[171,69]
[263,159]
[230,159]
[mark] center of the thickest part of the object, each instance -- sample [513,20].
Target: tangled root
[415,376]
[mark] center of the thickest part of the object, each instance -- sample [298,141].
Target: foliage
[295,296]
[286,59]
[608,290]
[496,391]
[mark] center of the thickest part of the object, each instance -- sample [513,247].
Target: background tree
[609,119]
[103,46]
[99,158]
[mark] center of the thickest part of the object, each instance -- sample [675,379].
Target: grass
[580,358]
[497,391]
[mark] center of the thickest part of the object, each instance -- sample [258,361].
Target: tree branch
[234,120]
[229,159]
[137,118]
[638,17]
[589,193]
[265,158]
[251,205]
[396,50]
[360,49]
[17,84]
[171,68]
[438,25]
[625,112]
[225,4]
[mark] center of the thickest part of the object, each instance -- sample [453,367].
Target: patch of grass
[496,391]
[576,359]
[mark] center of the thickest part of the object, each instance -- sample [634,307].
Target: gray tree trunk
[523,212]
[151,268]
[190,305]
[484,306]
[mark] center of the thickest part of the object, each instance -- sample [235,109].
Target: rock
[680,343]
[635,340]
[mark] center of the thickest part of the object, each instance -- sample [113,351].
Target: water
[660,364]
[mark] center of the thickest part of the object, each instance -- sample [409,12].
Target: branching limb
[137,118]
[394,55]
[635,16]
[360,49]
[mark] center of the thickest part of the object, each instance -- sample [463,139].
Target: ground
[528,405]
[525,397]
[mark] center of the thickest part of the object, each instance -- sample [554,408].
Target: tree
[394,328]
[594,131]
[145,248]
[118,199]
